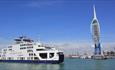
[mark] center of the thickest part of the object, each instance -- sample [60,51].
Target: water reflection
[20,66]
[69,64]
[47,67]
[98,64]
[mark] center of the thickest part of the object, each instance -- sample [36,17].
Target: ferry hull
[30,61]
[61,60]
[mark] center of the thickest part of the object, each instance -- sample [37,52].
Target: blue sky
[56,20]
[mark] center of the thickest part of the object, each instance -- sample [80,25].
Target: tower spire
[94,12]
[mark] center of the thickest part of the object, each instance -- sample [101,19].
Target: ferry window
[23,48]
[34,54]
[22,58]
[30,47]
[39,49]
[36,58]
[9,46]
[10,49]
[30,54]
[43,55]
[9,58]
[48,47]
[51,55]
[29,50]
[38,45]
[31,58]
[28,58]
[5,50]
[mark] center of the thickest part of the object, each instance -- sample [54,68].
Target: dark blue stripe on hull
[31,61]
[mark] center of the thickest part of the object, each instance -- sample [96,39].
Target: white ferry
[25,50]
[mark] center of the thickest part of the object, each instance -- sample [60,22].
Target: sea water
[69,64]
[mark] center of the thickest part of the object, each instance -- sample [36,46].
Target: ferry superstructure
[26,50]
